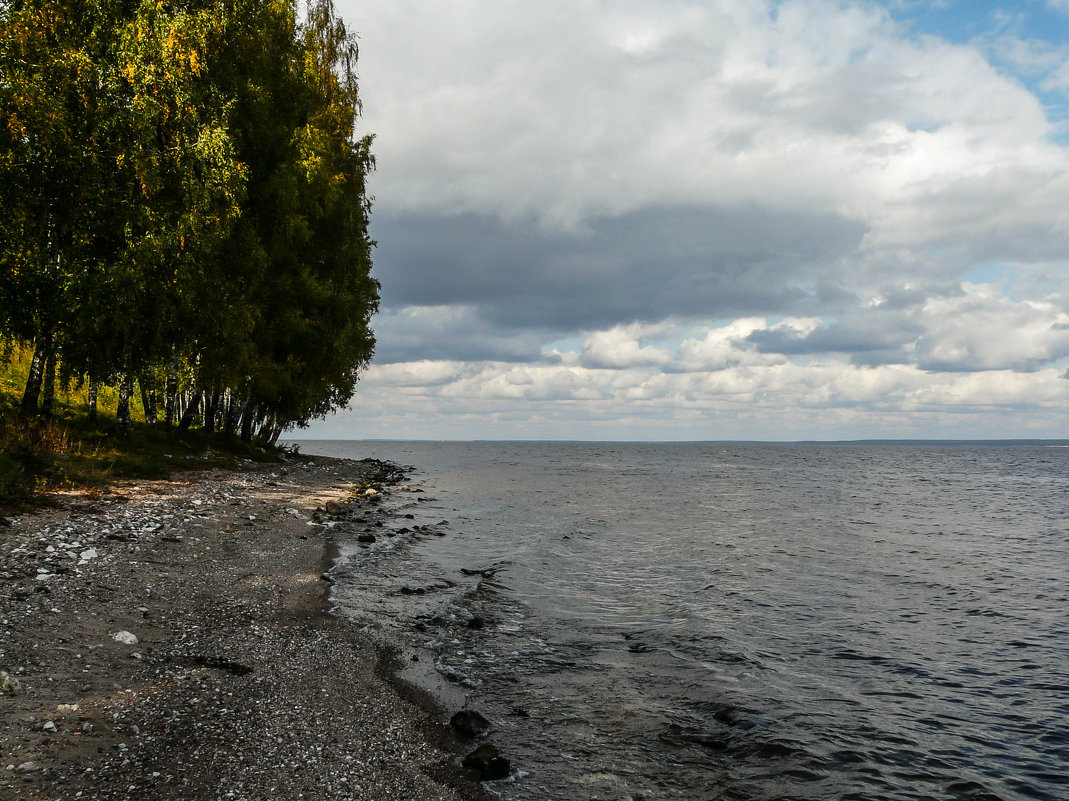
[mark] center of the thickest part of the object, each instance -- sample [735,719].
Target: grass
[72,451]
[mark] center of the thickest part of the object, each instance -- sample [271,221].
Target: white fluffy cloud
[729,345]
[828,399]
[623,346]
[565,111]
[981,331]
[965,355]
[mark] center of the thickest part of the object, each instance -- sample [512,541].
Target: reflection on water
[742,622]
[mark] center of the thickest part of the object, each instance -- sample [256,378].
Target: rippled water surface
[740,621]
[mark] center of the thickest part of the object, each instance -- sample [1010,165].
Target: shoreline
[241,683]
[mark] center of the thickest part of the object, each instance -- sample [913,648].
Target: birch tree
[179,184]
[53,174]
[183,193]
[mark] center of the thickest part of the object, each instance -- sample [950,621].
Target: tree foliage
[183,196]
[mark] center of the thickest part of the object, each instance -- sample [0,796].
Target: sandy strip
[239,685]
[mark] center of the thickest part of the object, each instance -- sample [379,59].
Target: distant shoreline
[993,443]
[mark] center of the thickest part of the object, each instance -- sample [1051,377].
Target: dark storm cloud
[449,333]
[648,266]
[865,341]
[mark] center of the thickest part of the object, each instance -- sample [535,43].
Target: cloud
[979,331]
[953,329]
[623,346]
[567,112]
[424,373]
[726,346]
[967,330]
[442,331]
[676,215]
[830,398]
[534,149]
[682,261]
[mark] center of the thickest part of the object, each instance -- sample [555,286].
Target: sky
[716,219]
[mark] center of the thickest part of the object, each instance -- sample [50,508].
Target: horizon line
[1006,441]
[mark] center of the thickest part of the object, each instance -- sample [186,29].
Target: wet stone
[470,724]
[487,761]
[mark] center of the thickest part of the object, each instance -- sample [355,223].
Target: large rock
[124,637]
[9,685]
[487,761]
[470,723]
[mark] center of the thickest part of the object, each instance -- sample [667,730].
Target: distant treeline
[183,207]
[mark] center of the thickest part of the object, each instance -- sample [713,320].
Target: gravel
[170,639]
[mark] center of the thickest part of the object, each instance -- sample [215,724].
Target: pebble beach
[172,639]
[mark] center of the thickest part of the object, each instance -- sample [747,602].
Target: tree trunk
[37,370]
[210,412]
[276,434]
[48,387]
[91,401]
[148,402]
[223,415]
[247,420]
[122,414]
[233,413]
[267,422]
[171,403]
[190,411]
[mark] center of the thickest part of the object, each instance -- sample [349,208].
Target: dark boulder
[366,538]
[488,763]
[470,723]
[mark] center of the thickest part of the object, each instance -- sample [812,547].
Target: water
[740,621]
